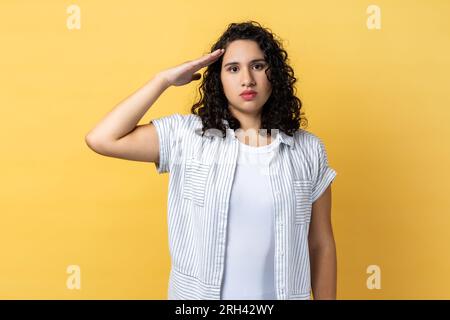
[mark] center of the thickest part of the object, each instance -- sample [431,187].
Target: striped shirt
[201,172]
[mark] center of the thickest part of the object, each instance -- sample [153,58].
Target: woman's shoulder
[308,141]
[183,124]
[184,117]
[182,120]
[191,121]
[187,118]
[303,136]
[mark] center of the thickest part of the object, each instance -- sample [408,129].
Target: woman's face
[243,68]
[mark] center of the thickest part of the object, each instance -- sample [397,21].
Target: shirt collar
[284,138]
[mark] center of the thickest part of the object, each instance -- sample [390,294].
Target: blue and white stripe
[201,172]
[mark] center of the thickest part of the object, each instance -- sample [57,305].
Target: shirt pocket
[303,201]
[195,179]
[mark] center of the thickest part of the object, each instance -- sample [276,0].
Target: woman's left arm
[322,249]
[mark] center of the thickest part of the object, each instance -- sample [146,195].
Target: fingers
[196,76]
[215,53]
[208,59]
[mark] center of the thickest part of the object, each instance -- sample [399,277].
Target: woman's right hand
[187,72]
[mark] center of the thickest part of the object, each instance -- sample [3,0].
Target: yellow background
[379,99]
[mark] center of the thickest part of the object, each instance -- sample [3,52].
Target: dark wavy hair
[281,111]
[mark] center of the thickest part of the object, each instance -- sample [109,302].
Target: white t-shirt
[250,250]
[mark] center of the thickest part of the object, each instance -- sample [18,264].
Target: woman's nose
[247,78]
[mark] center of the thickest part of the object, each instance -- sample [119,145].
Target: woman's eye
[258,64]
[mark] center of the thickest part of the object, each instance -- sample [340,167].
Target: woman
[249,204]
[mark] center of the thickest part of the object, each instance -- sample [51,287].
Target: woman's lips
[248,96]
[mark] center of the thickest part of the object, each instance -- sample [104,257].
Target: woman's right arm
[118,135]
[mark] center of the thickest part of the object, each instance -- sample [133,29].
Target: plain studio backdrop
[77,225]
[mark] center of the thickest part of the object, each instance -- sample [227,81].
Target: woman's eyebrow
[254,60]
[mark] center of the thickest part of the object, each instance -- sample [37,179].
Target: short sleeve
[167,128]
[323,174]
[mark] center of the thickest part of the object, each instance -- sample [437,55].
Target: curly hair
[281,111]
